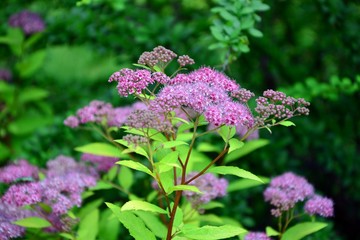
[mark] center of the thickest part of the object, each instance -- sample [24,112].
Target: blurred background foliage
[308,48]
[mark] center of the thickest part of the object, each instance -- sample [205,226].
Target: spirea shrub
[163,141]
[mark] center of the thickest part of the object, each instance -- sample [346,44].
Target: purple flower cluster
[288,189]
[277,105]
[102,163]
[135,140]
[256,236]
[18,171]
[318,205]
[9,214]
[28,21]
[158,54]
[185,60]
[101,113]
[207,92]
[210,187]
[5,74]
[141,119]
[65,180]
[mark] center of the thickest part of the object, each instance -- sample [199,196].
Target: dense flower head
[5,74]
[319,205]
[256,236]
[102,113]
[135,140]
[18,171]
[29,22]
[23,194]
[158,54]
[210,187]
[141,119]
[130,81]
[275,104]
[185,60]
[9,214]
[102,163]
[286,190]
[243,95]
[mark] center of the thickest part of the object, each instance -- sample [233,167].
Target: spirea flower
[29,22]
[210,187]
[130,81]
[135,140]
[256,236]
[23,194]
[102,163]
[5,74]
[319,205]
[72,121]
[286,190]
[19,170]
[185,60]
[9,214]
[158,54]
[141,119]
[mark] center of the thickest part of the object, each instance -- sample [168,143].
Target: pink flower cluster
[102,113]
[18,171]
[28,21]
[210,187]
[102,163]
[256,236]
[288,189]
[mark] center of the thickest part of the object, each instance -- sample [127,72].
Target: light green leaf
[142,205]
[255,33]
[29,65]
[33,222]
[301,230]
[212,232]
[208,147]
[245,184]
[101,185]
[171,144]
[141,66]
[182,188]
[153,222]
[226,132]
[67,236]
[271,232]
[32,94]
[287,123]
[135,165]
[139,150]
[126,178]
[249,147]
[89,226]
[108,226]
[231,170]
[134,224]
[235,144]
[211,205]
[28,124]
[102,149]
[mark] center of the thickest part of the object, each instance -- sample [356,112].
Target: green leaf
[29,65]
[153,222]
[89,226]
[135,165]
[101,185]
[226,132]
[171,144]
[208,147]
[287,123]
[245,184]
[301,230]
[142,205]
[182,188]
[102,149]
[67,236]
[33,222]
[109,226]
[231,170]
[32,94]
[249,147]
[126,178]
[255,33]
[212,232]
[211,205]
[271,232]
[134,224]
[139,150]
[235,144]
[28,124]
[141,66]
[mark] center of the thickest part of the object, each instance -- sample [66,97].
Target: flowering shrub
[161,140]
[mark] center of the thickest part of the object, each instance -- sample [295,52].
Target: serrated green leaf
[33,222]
[109,226]
[245,184]
[235,144]
[231,170]
[102,149]
[134,224]
[212,232]
[143,206]
[182,188]
[287,123]
[301,230]
[226,132]
[271,232]
[89,226]
[153,222]
[138,149]
[126,178]
[249,147]
[135,165]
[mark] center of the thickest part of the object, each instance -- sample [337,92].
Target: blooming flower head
[318,205]
[286,190]
[256,236]
[210,187]
[102,163]
[17,171]
[28,21]
[23,194]
[142,119]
